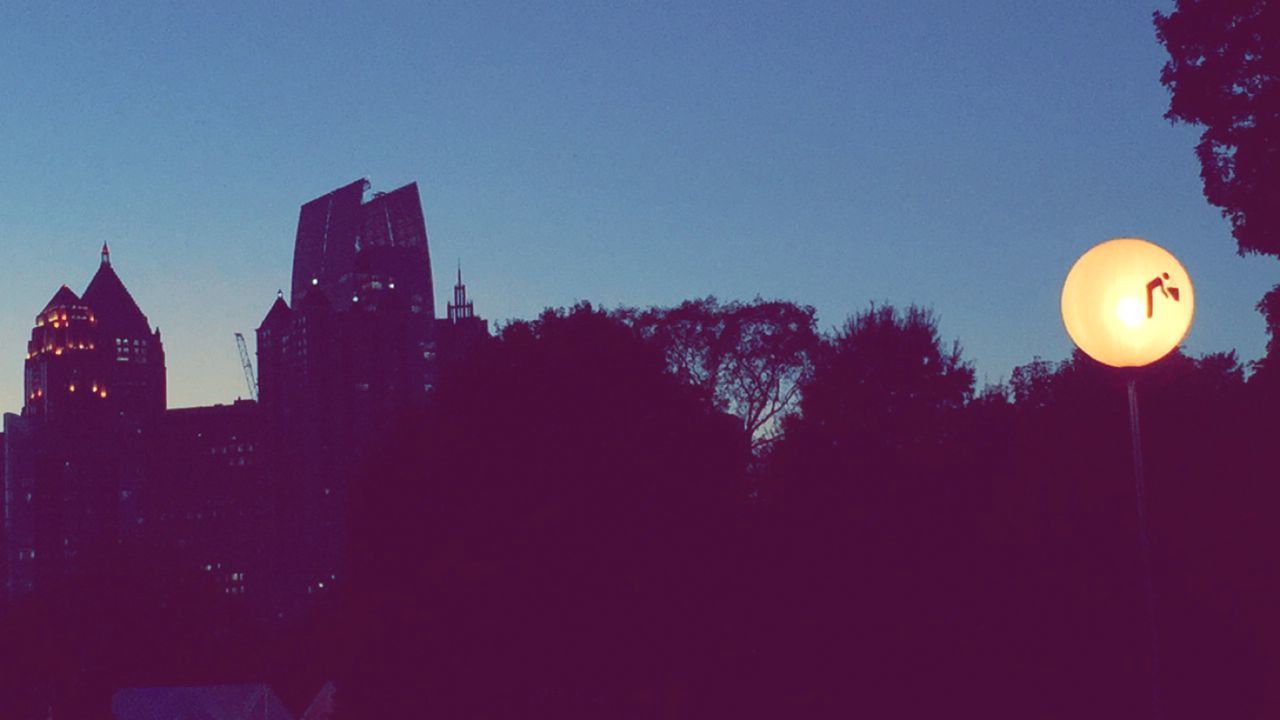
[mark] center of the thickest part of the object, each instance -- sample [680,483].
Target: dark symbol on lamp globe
[1158,283]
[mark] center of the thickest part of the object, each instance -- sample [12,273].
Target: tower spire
[106,254]
[461,308]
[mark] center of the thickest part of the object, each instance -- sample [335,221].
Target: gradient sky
[956,155]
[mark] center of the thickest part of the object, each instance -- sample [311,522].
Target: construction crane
[248,367]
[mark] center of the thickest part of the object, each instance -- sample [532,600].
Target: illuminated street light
[1127,303]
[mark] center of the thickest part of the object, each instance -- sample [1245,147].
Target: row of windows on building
[135,351]
[126,349]
[58,349]
[58,318]
[94,389]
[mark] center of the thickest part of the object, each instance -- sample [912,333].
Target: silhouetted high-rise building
[254,493]
[346,246]
[94,354]
[94,384]
[357,341]
[209,497]
[136,378]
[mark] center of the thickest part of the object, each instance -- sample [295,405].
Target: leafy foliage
[549,533]
[568,528]
[1224,73]
[747,359]
[886,384]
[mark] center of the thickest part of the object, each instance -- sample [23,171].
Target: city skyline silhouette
[640,360]
[734,152]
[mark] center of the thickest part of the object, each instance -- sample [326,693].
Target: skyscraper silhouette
[253,493]
[94,383]
[359,342]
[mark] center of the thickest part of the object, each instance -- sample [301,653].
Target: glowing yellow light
[103,393]
[1129,310]
[72,388]
[1127,302]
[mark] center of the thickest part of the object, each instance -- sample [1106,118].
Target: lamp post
[1127,303]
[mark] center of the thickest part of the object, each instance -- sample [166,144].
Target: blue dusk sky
[955,155]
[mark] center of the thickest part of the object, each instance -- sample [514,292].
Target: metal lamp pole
[1144,540]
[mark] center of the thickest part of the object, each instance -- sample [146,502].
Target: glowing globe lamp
[1127,302]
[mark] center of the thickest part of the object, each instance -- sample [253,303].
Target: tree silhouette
[1224,73]
[552,534]
[1266,377]
[1078,608]
[571,525]
[865,544]
[747,359]
[885,388]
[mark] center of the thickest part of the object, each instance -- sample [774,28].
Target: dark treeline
[630,514]
[718,511]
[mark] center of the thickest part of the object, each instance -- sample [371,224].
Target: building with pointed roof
[256,492]
[94,382]
[107,293]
